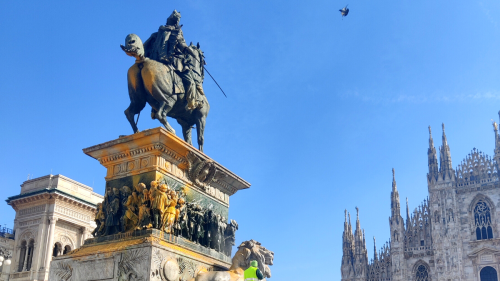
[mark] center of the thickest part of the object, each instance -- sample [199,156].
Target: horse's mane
[252,250]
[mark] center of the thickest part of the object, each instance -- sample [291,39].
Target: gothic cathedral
[452,235]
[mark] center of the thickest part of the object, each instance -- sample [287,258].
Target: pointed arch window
[422,273]
[482,221]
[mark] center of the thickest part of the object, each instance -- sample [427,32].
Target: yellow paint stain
[191,253]
[133,71]
[148,77]
[108,249]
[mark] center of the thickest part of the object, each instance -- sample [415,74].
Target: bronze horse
[158,85]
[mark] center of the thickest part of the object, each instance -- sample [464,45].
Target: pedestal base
[141,255]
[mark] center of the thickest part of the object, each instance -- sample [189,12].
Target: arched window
[488,274]
[31,248]
[422,273]
[482,221]
[396,236]
[22,255]
[67,249]
[57,250]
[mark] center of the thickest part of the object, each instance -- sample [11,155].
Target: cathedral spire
[345,222]
[348,246]
[394,187]
[432,158]
[359,241]
[407,213]
[358,225]
[497,142]
[375,254]
[395,205]
[445,170]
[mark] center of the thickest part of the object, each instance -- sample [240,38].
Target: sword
[201,64]
[213,79]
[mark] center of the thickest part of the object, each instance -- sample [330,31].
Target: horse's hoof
[170,129]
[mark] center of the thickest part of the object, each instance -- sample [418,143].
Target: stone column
[25,262]
[19,261]
[86,234]
[39,245]
[15,251]
[81,237]
[48,254]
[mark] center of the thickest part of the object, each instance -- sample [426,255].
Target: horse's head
[133,46]
[199,60]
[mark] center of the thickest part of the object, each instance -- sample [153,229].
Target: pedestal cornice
[158,150]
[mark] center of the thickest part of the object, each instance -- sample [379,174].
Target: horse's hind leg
[186,131]
[133,109]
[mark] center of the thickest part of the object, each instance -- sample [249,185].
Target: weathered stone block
[141,255]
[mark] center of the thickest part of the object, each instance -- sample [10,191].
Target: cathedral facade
[453,235]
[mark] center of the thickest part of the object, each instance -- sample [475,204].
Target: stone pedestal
[150,254]
[141,255]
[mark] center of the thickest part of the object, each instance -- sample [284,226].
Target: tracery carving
[476,166]
[28,235]
[422,273]
[65,240]
[482,221]
[128,263]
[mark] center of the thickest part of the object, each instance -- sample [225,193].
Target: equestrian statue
[168,75]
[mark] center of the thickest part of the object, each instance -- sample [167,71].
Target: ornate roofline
[49,194]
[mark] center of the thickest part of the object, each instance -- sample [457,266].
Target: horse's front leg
[159,113]
[136,94]
[186,131]
[200,129]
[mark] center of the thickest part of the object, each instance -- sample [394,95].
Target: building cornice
[49,194]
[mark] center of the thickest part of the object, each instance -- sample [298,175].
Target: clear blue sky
[319,109]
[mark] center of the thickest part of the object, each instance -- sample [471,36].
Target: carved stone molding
[30,222]
[73,213]
[63,271]
[28,235]
[158,150]
[65,239]
[129,265]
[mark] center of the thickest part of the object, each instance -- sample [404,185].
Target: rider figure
[169,47]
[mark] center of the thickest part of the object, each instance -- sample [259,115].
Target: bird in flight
[344,11]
